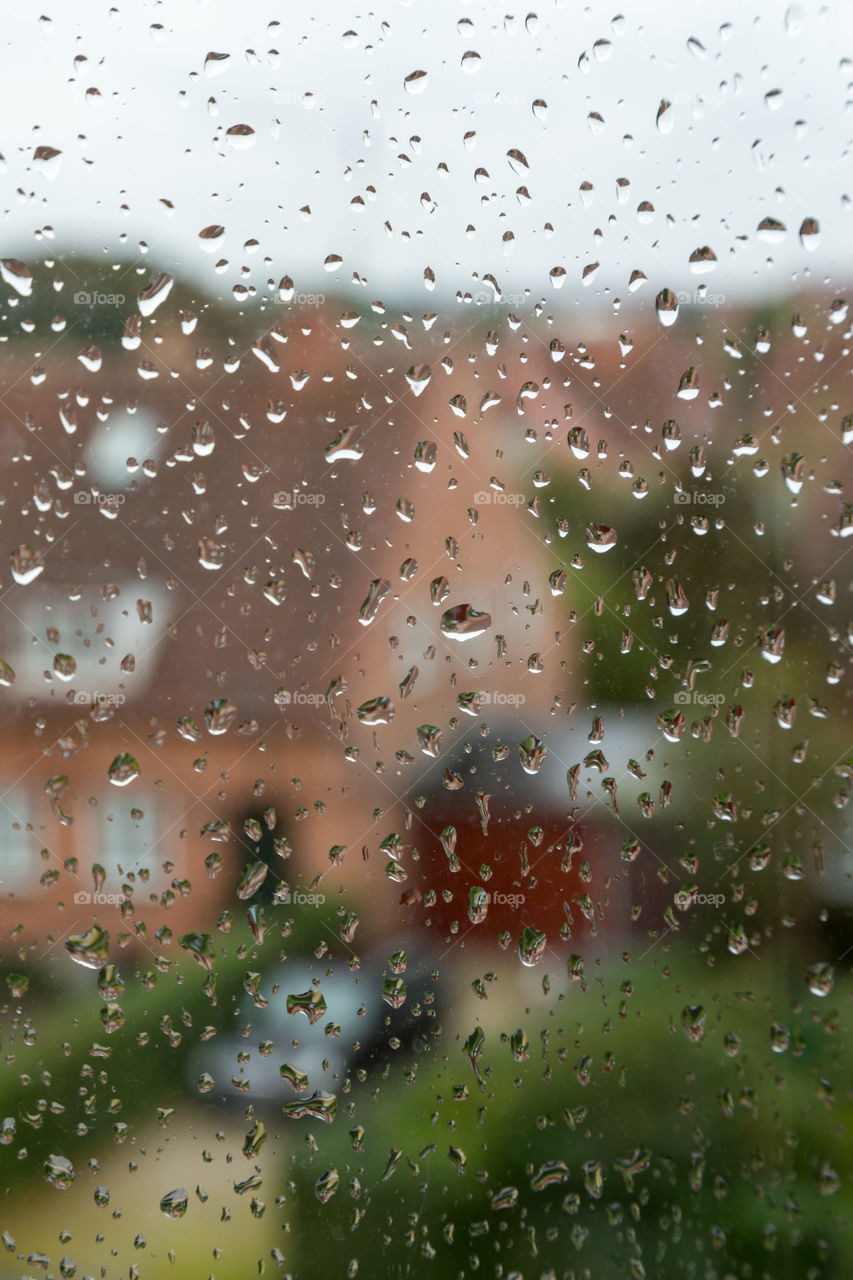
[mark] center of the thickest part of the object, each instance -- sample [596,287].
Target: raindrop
[820,979]
[531,946]
[379,710]
[810,234]
[174,1203]
[675,598]
[464,622]
[18,275]
[26,565]
[241,136]
[418,378]
[416,82]
[59,1172]
[155,294]
[533,753]
[666,306]
[771,230]
[219,715]
[664,119]
[320,1106]
[90,949]
[311,1003]
[123,770]
[688,387]
[702,260]
[772,643]
[600,537]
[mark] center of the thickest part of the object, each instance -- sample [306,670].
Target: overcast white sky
[728,160]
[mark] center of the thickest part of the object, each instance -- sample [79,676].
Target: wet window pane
[424,643]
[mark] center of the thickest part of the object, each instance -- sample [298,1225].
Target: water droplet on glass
[702,260]
[600,537]
[688,387]
[418,378]
[174,1203]
[666,306]
[59,1172]
[771,230]
[533,753]
[123,770]
[820,979]
[311,1003]
[676,598]
[320,1106]
[464,622]
[241,136]
[810,235]
[26,564]
[326,1185]
[17,275]
[90,949]
[219,715]
[379,710]
[531,946]
[772,643]
[251,879]
[64,666]
[156,293]
[48,161]
[429,739]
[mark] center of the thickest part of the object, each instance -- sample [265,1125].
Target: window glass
[424,642]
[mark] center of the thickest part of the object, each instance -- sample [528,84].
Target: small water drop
[123,770]
[90,949]
[464,622]
[531,946]
[416,82]
[174,1203]
[59,1172]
